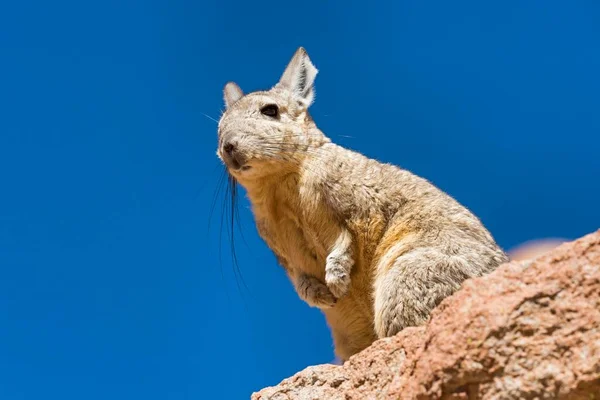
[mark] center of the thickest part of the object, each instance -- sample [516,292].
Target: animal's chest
[296,234]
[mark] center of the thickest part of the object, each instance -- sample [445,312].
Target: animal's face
[264,131]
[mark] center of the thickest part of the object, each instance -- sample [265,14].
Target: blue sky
[111,282]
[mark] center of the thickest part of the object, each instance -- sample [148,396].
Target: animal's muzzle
[232,157]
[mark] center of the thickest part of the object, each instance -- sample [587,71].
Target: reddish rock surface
[529,330]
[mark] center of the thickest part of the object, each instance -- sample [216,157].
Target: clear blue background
[111,284]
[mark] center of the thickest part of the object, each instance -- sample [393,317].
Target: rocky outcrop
[529,330]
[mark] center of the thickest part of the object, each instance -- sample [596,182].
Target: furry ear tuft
[299,77]
[232,93]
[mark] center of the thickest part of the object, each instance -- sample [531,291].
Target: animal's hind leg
[407,290]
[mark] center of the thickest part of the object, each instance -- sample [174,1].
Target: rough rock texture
[529,330]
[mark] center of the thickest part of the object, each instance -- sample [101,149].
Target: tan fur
[375,247]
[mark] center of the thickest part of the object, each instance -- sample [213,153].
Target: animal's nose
[232,156]
[229,148]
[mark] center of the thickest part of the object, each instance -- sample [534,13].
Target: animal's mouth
[236,164]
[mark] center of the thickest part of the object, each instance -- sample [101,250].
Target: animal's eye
[270,110]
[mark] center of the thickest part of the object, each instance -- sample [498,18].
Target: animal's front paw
[315,292]
[337,274]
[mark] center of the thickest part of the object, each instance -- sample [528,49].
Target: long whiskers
[209,117]
[229,213]
[293,154]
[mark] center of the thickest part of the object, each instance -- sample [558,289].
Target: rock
[529,330]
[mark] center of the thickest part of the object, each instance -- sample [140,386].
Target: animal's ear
[299,77]
[232,93]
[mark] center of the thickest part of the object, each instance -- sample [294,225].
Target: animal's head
[265,131]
